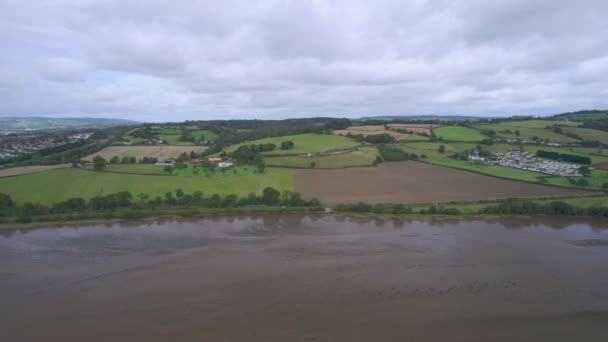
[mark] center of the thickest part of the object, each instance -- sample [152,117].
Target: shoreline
[207,215]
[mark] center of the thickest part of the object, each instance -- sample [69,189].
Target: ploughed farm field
[154,151]
[25,170]
[413,182]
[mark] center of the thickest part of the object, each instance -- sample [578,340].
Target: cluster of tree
[186,135]
[600,124]
[144,132]
[287,145]
[123,160]
[338,124]
[572,158]
[124,199]
[390,153]
[383,138]
[524,207]
[251,155]
[396,209]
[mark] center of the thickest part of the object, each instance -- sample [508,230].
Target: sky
[180,60]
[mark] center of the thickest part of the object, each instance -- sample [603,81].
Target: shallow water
[307,278]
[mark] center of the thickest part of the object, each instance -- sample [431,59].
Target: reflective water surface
[307,278]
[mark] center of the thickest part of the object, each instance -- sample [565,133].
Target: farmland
[412,182]
[416,128]
[363,156]
[161,152]
[457,133]
[24,170]
[589,134]
[144,169]
[528,130]
[57,185]
[370,130]
[304,143]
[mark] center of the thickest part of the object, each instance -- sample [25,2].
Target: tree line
[124,199]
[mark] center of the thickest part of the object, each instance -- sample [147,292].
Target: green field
[57,185]
[190,171]
[589,134]
[458,133]
[363,156]
[528,130]
[147,169]
[304,143]
[491,170]
[431,149]
[172,136]
[417,137]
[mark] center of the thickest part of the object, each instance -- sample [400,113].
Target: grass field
[595,159]
[430,149]
[457,133]
[24,170]
[57,185]
[146,169]
[364,156]
[370,130]
[413,182]
[304,143]
[172,136]
[201,172]
[162,152]
[490,170]
[589,134]
[527,130]
[416,137]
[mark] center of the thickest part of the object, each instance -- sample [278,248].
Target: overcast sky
[174,60]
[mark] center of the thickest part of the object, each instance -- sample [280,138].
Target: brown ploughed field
[369,130]
[161,152]
[416,128]
[413,182]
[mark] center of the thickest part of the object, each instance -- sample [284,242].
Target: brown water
[307,278]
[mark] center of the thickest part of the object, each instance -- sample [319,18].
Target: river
[307,278]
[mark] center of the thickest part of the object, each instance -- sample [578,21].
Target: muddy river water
[307,278]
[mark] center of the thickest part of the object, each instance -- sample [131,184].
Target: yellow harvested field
[25,170]
[416,128]
[161,152]
[369,130]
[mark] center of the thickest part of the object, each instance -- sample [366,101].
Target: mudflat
[413,182]
[307,278]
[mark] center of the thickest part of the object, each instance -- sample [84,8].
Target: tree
[313,165]
[286,145]
[179,193]
[115,160]
[99,163]
[270,196]
[441,148]
[584,170]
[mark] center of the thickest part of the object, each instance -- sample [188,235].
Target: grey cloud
[157,60]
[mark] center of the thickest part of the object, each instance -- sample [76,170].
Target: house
[195,162]
[225,162]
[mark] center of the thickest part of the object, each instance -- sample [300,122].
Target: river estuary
[307,278]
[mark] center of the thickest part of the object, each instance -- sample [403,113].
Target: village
[525,161]
[15,145]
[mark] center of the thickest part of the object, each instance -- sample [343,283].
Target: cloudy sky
[174,60]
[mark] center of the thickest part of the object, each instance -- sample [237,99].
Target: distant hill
[425,117]
[581,115]
[42,123]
